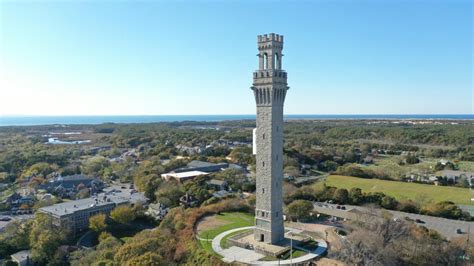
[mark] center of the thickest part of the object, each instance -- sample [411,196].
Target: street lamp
[290,234]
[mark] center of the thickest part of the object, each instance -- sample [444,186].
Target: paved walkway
[216,242]
[231,256]
[203,239]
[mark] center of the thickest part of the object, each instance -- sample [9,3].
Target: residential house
[22,258]
[157,211]
[68,186]
[188,201]
[217,184]
[455,175]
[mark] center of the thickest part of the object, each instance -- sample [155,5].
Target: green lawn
[232,220]
[286,256]
[207,245]
[224,243]
[402,190]
[390,166]
[466,166]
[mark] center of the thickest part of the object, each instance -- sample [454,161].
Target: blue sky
[197,57]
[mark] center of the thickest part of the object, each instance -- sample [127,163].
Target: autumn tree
[97,223]
[341,195]
[44,238]
[122,214]
[300,209]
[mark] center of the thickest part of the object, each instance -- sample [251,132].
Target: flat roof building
[22,257]
[75,214]
[202,166]
[183,176]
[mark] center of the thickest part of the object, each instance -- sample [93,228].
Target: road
[445,227]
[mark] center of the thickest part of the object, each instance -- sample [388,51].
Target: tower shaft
[269,87]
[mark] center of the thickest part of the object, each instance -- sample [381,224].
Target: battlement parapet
[272,37]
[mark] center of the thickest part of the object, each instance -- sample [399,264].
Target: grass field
[466,166]
[390,166]
[229,220]
[402,190]
[224,221]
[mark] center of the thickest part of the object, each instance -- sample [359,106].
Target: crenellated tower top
[270,47]
[270,80]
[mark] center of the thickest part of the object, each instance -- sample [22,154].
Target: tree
[148,258]
[389,203]
[95,165]
[355,195]
[122,214]
[44,238]
[300,209]
[148,184]
[97,223]
[341,195]
[412,159]
[43,169]
[82,193]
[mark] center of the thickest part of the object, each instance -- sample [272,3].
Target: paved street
[445,227]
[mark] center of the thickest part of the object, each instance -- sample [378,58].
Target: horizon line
[132,115]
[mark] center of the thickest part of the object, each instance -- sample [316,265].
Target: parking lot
[445,227]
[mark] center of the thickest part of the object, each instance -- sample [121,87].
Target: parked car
[419,221]
[343,207]
[458,231]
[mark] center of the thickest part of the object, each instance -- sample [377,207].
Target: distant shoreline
[124,119]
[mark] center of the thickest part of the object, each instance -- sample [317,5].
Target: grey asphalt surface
[445,227]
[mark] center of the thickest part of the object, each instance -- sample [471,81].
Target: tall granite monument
[269,87]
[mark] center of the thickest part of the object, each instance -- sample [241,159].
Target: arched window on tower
[265,61]
[277,61]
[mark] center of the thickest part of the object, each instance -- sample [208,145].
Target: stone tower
[269,88]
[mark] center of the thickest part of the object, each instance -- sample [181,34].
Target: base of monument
[242,248]
[247,240]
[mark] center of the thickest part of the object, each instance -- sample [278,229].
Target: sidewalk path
[216,246]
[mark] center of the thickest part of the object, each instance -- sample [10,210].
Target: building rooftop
[202,166]
[111,195]
[21,255]
[184,175]
[76,177]
[217,182]
[196,163]
[456,173]
[66,208]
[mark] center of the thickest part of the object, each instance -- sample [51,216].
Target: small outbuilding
[22,257]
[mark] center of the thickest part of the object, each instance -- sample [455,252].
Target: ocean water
[52,120]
